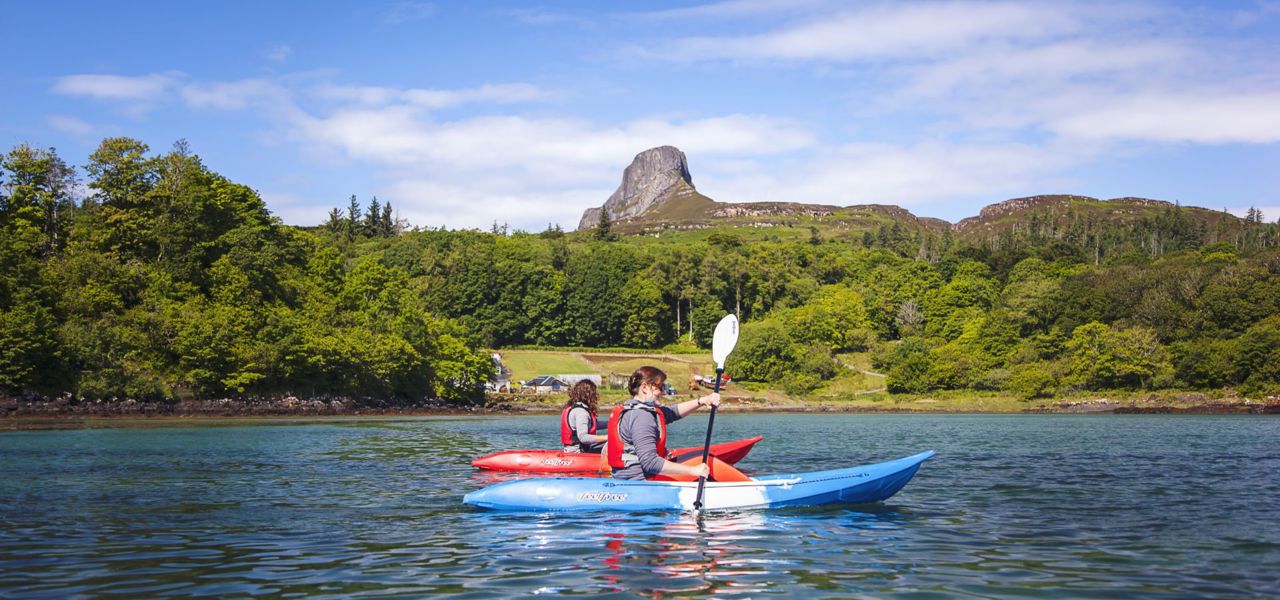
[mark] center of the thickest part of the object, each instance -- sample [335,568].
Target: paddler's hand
[700,471]
[710,400]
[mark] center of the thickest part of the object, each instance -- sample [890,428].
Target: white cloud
[432,203]
[1179,116]
[70,125]
[278,53]
[892,30]
[1043,66]
[1100,73]
[232,95]
[495,93]
[541,17]
[116,87]
[366,95]
[918,175]
[404,12]
[736,8]
[373,96]
[467,171]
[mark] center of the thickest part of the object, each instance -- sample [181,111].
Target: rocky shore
[70,407]
[253,406]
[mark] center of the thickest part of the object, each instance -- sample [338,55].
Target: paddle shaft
[706,445]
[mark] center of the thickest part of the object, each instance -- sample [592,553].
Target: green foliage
[1257,358]
[1101,357]
[643,308]
[910,366]
[1032,380]
[764,353]
[836,317]
[706,314]
[29,355]
[171,279]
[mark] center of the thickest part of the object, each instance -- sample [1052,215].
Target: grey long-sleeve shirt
[639,427]
[580,423]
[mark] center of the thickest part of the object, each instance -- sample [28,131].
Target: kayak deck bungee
[555,461]
[854,485]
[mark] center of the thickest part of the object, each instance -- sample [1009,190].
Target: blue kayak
[855,485]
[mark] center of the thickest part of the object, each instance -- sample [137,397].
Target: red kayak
[555,461]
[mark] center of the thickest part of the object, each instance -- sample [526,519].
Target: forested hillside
[167,279]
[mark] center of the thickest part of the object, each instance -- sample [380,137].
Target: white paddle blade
[724,339]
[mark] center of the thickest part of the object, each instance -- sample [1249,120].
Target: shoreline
[38,413]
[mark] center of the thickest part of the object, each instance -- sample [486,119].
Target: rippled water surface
[1051,506]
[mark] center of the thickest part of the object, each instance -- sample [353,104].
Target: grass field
[856,389]
[852,389]
[527,364]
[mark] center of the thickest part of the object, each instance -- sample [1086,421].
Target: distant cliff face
[653,176]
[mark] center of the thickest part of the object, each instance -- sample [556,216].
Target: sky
[463,114]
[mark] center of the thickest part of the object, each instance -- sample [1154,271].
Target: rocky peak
[653,176]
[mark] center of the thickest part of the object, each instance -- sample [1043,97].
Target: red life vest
[616,447]
[568,436]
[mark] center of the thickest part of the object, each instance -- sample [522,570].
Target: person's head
[585,392]
[647,383]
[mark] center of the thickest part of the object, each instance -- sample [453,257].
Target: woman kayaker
[578,419]
[637,446]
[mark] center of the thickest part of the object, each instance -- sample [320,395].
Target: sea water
[1012,506]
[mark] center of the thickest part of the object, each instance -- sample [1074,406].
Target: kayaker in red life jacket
[637,447]
[578,419]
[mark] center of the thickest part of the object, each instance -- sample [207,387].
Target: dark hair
[650,375]
[585,392]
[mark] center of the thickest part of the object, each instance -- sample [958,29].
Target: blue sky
[464,113]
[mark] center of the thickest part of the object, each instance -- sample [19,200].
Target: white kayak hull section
[854,485]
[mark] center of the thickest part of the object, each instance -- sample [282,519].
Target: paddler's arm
[581,421]
[644,431]
[689,406]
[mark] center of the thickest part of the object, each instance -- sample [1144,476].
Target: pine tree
[604,228]
[372,218]
[388,224]
[335,223]
[353,219]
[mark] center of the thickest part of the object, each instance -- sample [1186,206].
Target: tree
[707,312]
[604,228]
[353,218]
[909,318]
[909,365]
[764,353]
[29,356]
[644,308]
[122,176]
[1257,358]
[335,223]
[1100,357]
[836,317]
[39,191]
[373,218]
[387,225]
